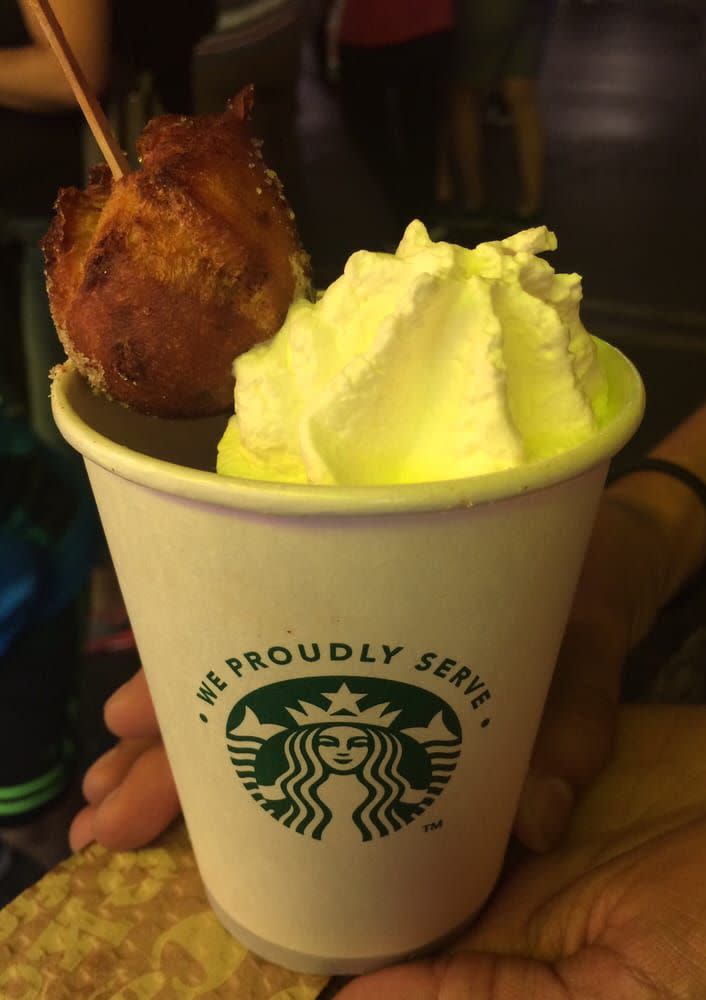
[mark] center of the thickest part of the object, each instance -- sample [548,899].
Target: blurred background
[622,96]
[622,92]
[480,117]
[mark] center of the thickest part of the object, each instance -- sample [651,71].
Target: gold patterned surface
[133,925]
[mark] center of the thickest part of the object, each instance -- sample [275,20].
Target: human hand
[618,911]
[129,790]
[625,580]
[649,538]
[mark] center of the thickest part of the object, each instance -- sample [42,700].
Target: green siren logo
[343,757]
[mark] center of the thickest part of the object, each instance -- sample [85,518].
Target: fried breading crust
[159,280]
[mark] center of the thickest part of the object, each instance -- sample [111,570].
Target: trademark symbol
[431,827]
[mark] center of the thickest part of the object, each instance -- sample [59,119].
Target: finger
[417,979]
[574,743]
[129,712]
[594,971]
[106,773]
[141,807]
[100,781]
[461,977]
[577,735]
[82,829]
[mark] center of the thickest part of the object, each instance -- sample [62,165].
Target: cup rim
[297,499]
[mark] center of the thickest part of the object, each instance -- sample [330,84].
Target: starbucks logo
[343,757]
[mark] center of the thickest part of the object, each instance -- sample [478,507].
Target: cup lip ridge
[297,499]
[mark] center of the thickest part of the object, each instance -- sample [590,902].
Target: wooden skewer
[97,122]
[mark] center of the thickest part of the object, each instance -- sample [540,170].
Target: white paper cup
[348,681]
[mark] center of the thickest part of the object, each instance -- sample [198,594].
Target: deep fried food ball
[158,280]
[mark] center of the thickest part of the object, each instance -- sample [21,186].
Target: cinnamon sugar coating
[159,280]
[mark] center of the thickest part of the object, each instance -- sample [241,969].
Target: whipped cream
[433,363]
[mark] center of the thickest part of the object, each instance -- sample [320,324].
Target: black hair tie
[695,484]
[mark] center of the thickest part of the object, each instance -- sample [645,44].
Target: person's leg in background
[520,88]
[522,97]
[421,97]
[499,45]
[480,45]
[366,76]
[466,138]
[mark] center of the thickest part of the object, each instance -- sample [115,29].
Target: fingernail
[78,843]
[94,778]
[546,808]
[81,832]
[116,705]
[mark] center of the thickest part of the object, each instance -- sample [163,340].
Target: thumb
[575,738]
[472,976]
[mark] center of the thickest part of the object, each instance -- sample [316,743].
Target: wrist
[624,580]
[659,533]
[671,499]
